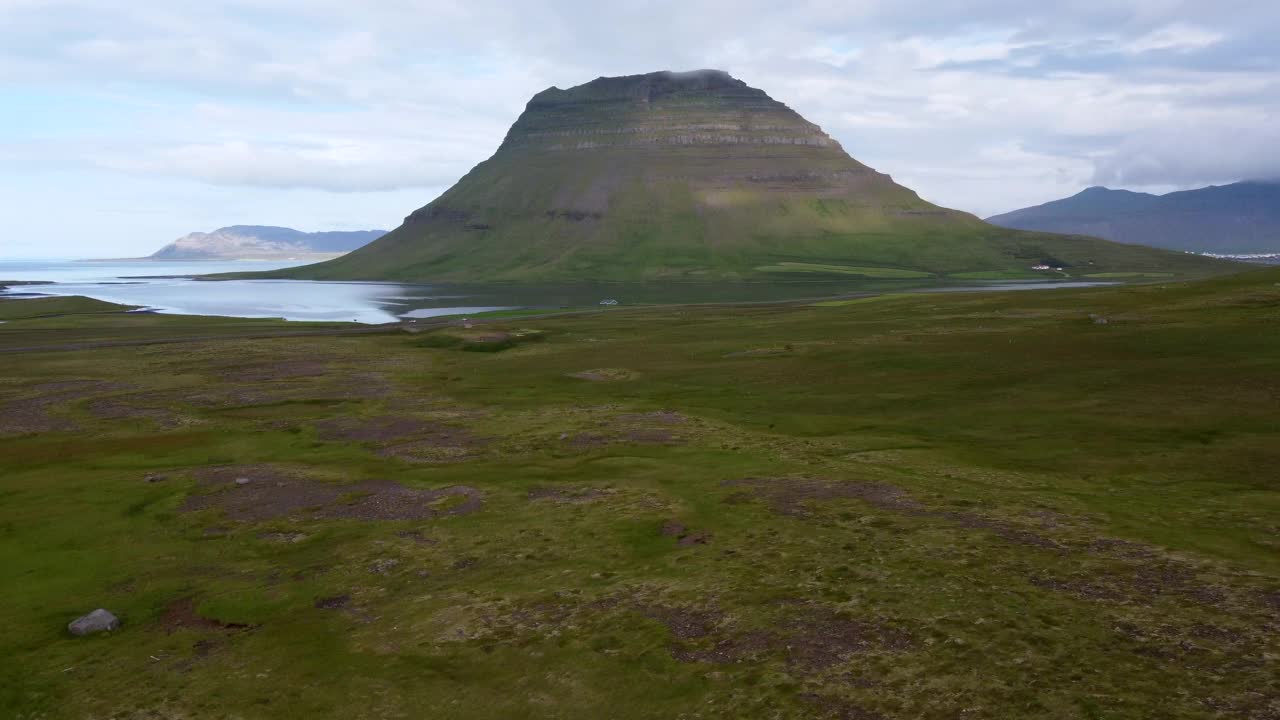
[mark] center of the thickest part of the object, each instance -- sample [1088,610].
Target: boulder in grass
[95,622]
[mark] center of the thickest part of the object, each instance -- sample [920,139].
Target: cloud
[982,104]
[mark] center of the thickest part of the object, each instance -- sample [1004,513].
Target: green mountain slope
[694,175]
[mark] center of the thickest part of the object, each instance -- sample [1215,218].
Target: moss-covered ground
[1052,504]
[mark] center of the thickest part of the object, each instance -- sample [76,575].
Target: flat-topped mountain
[263,241]
[691,176]
[1239,218]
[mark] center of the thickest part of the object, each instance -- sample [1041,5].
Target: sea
[173,287]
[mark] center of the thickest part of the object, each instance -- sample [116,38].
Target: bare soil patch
[375,429]
[683,535]
[1139,584]
[661,417]
[407,438]
[834,708]
[605,375]
[818,638]
[181,614]
[334,602]
[791,496]
[33,413]
[683,623]
[568,494]
[281,370]
[809,638]
[271,493]
[130,408]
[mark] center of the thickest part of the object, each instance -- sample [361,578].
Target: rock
[1100,321]
[155,478]
[95,622]
[242,481]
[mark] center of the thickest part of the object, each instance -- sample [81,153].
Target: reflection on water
[126,283]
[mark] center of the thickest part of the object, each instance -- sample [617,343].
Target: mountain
[693,176]
[263,241]
[1231,219]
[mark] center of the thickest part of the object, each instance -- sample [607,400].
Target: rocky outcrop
[263,242]
[95,622]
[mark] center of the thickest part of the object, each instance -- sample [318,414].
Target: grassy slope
[666,230]
[1159,428]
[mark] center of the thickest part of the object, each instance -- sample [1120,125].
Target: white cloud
[1181,38]
[979,104]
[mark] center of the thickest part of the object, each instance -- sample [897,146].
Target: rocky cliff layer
[261,241]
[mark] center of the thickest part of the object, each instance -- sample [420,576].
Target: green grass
[1001,275]
[1129,275]
[874,272]
[55,306]
[1002,442]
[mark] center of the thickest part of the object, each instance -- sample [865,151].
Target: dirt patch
[819,638]
[636,436]
[683,535]
[792,496]
[683,623]
[568,494]
[181,614]
[808,638]
[376,429]
[1122,548]
[416,537]
[33,414]
[406,438]
[588,440]
[283,537]
[605,375]
[650,437]
[834,708]
[126,408]
[257,493]
[333,602]
[267,372]
[661,417]
[1081,589]
[1139,584]
[442,449]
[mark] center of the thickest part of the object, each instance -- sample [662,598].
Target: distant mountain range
[264,242]
[698,176]
[1242,218]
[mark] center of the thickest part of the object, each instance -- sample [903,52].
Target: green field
[922,506]
[1128,275]
[873,272]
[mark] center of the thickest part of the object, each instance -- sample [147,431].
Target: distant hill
[263,241]
[698,176]
[1228,219]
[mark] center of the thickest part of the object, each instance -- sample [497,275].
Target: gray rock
[95,622]
[242,481]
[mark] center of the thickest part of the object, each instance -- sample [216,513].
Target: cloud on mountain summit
[984,105]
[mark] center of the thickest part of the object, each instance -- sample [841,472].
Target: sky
[126,124]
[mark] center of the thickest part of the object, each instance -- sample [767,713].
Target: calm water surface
[167,287]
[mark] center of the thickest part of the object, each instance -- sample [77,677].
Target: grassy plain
[921,506]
